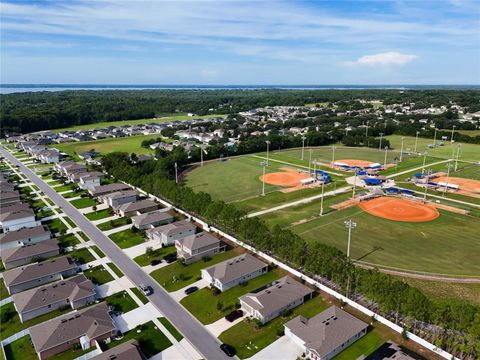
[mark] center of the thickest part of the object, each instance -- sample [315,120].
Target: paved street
[192,329]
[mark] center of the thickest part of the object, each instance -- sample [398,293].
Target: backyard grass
[99,275]
[3,290]
[112,224]
[203,304]
[364,346]
[139,295]
[115,269]
[67,240]
[101,214]
[177,275]
[151,339]
[121,301]
[82,255]
[55,225]
[144,260]
[83,202]
[21,349]
[247,339]
[70,354]
[127,238]
[98,251]
[171,329]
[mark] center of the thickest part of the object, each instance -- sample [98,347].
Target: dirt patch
[397,209]
[351,163]
[345,204]
[284,178]
[450,208]
[467,185]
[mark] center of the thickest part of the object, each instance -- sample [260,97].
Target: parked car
[170,258]
[146,290]
[155,262]
[191,290]
[228,349]
[234,315]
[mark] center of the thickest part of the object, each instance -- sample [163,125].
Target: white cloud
[386,59]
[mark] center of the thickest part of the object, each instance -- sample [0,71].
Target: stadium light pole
[424,159]
[380,146]
[176,173]
[446,183]
[333,154]
[435,137]
[453,133]
[426,188]
[264,165]
[310,162]
[350,225]
[314,168]
[354,184]
[416,141]
[401,149]
[366,130]
[385,161]
[303,145]
[456,158]
[268,148]
[385,125]
[321,199]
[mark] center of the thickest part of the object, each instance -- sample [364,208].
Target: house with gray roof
[136,207]
[326,334]
[282,295]
[67,168]
[13,239]
[9,196]
[84,328]
[107,189]
[118,198]
[129,350]
[151,219]
[232,272]
[22,255]
[193,248]
[75,292]
[30,276]
[16,217]
[167,234]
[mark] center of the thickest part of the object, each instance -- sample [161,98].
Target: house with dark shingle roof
[136,207]
[83,328]
[193,248]
[13,239]
[107,189]
[129,350]
[22,255]
[151,219]
[167,234]
[16,217]
[326,334]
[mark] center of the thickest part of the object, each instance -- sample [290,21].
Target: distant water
[19,88]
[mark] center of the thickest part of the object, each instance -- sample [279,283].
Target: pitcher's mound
[399,209]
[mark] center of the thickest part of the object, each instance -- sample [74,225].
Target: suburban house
[75,292]
[84,328]
[167,234]
[22,255]
[90,180]
[27,277]
[151,219]
[120,197]
[232,272]
[13,239]
[195,247]
[129,350]
[107,189]
[326,334]
[66,168]
[49,156]
[16,217]
[284,294]
[9,197]
[136,208]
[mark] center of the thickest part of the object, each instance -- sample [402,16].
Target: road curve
[203,341]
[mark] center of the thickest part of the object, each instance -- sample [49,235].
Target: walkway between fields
[418,168]
[296,165]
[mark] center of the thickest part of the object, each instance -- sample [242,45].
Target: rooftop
[152,217]
[235,268]
[22,234]
[199,240]
[29,250]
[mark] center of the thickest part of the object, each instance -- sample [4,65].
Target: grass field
[157,254]
[21,349]
[121,301]
[364,346]
[127,238]
[445,245]
[67,240]
[469,132]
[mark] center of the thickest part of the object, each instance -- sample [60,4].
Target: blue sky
[247,42]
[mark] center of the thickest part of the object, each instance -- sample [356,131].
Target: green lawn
[99,275]
[171,329]
[144,260]
[170,276]
[101,214]
[115,269]
[112,224]
[70,222]
[21,349]
[83,236]
[151,340]
[82,255]
[98,251]
[70,354]
[56,225]
[3,290]
[203,303]
[83,202]
[139,295]
[247,339]
[68,240]
[63,188]
[364,346]
[121,301]
[127,238]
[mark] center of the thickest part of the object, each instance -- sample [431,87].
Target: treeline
[461,321]
[34,111]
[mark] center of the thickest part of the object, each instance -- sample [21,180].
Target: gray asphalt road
[190,327]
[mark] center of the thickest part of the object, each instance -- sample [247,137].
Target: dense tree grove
[458,323]
[34,111]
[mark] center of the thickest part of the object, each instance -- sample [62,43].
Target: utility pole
[456,158]
[268,147]
[380,146]
[426,186]
[310,161]
[333,154]
[435,137]
[401,150]
[176,173]
[315,169]
[264,165]
[385,126]
[321,199]
[446,183]
[354,184]
[303,145]
[453,133]
[416,141]
[385,161]
[424,159]
[350,225]
[366,130]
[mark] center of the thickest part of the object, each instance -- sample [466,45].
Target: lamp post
[366,130]
[315,169]
[268,148]
[264,165]
[446,183]
[333,154]
[416,141]
[303,145]
[176,173]
[385,125]
[426,186]
[456,158]
[401,150]
[424,159]
[321,199]
[385,161]
[354,184]
[380,146]
[453,133]
[435,137]
[350,225]
[310,162]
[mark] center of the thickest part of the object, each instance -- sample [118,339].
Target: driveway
[282,349]
[221,325]
[180,294]
[135,317]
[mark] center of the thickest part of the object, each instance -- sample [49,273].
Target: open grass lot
[144,260]
[470,152]
[99,275]
[469,132]
[112,224]
[364,346]
[21,349]
[247,339]
[83,202]
[446,245]
[203,303]
[127,238]
[150,338]
[82,255]
[177,275]
[121,301]
[171,329]
[101,214]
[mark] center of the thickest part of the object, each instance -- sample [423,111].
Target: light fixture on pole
[435,137]
[385,161]
[315,169]
[380,145]
[385,125]
[264,165]
[401,150]
[458,154]
[202,150]
[350,225]
[268,148]
[176,173]
[453,133]
[416,141]
[303,145]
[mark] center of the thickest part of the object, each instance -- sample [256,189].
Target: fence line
[15,337]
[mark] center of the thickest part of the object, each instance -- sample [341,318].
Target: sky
[240,42]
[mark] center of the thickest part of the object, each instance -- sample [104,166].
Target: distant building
[120,197]
[195,247]
[136,207]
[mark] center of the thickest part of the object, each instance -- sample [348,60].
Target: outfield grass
[446,245]
[101,214]
[127,238]
[144,259]
[203,303]
[171,329]
[99,275]
[364,346]
[83,202]
[21,349]
[121,301]
[247,339]
[177,275]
